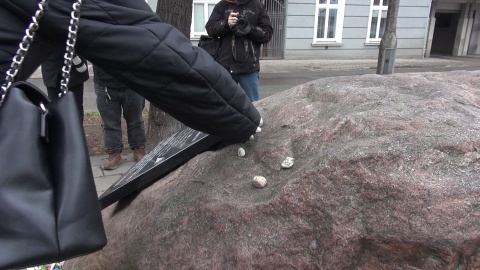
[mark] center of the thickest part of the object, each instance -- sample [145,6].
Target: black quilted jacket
[152,58]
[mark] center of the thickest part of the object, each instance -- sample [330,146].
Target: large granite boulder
[386,176]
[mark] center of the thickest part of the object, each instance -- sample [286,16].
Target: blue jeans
[110,103]
[249,82]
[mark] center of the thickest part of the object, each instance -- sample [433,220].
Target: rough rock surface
[386,176]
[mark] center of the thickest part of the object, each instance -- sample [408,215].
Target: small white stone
[288,163]
[241,152]
[259,181]
[251,138]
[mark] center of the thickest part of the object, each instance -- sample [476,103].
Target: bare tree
[179,14]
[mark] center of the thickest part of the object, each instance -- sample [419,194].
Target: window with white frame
[377,20]
[200,14]
[329,21]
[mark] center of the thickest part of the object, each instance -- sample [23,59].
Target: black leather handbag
[49,207]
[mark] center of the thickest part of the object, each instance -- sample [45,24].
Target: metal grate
[275,48]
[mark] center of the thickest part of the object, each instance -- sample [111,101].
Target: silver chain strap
[69,51]
[27,40]
[22,50]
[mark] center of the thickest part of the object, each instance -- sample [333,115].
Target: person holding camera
[242,26]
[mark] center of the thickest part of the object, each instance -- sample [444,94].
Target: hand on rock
[259,129]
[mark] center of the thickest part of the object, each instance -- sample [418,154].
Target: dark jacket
[240,54]
[52,72]
[150,57]
[104,79]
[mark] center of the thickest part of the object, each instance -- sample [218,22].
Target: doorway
[444,33]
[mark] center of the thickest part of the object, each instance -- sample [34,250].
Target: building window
[329,21]
[377,20]
[200,14]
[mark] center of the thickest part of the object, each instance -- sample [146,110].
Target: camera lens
[242,22]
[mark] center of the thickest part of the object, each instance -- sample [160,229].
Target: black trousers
[129,41]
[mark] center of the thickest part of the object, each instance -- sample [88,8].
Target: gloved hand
[243,31]
[259,129]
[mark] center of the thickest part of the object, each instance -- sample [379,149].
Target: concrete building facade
[352,29]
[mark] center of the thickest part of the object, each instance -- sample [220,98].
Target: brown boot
[138,152]
[114,159]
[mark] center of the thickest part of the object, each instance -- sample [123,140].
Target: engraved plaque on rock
[168,155]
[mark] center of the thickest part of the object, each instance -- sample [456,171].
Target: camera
[242,21]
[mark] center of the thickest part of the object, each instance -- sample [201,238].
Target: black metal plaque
[166,156]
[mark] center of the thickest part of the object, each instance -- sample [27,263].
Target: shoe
[114,159]
[138,153]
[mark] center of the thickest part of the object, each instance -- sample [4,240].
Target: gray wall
[411,31]
[475,38]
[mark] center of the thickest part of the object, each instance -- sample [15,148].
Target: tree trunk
[179,14]
[388,44]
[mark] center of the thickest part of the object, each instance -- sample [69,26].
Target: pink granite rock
[386,176]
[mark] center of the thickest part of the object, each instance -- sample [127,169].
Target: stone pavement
[103,178]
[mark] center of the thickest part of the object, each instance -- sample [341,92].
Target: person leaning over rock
[148,56]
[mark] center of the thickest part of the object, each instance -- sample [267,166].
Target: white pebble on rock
[288,163]
[241,152]
[259,182]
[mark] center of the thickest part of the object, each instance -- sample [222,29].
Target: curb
[316,65]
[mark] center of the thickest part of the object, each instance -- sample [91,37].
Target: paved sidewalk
[316,65]
[103,178]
